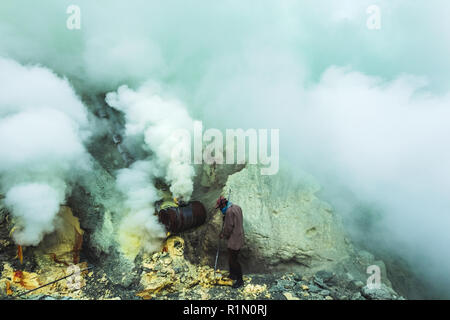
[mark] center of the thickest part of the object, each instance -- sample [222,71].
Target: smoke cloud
[157,121]
[160,120]
[42,129]
[365,111]
[35,205]
[388,169]
[139,227]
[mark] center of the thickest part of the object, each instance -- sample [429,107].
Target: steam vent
[224,150]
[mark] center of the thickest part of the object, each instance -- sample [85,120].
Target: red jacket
[233,229]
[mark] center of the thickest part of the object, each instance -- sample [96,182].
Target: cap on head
[221,202]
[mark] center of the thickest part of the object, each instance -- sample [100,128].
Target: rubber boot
[232,276]
[238,283]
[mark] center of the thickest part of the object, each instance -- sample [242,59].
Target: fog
[365,111]
[42,127]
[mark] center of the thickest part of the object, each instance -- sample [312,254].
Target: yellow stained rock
[174,246]
[27,280]
[205,295]
[4,243]
[57,256]
[64,245]
[153,283]
[290,296]
[225,282]
[22,281]
[305,287]
[168,271]
[19,280]
[254,290]
[8,288]
[12,231]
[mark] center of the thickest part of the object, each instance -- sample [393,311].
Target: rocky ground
[168,275]
[283,286]
[280,286]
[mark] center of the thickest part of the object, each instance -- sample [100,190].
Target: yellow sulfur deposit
[130,242]
[22,281]
[133,236]
[207,278]
[153,284]
[26,280]
[251,291]
[64,245]
[174,246]
[57,256]
[168,271]
[290,296]
[167,200]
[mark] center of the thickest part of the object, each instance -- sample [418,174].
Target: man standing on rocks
[233,231]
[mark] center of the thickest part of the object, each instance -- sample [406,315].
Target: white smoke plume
[42,128]
[160,120]
[35,206]
[139,228]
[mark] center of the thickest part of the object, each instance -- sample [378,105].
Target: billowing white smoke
[384,141]
[161,122]
[42,128]
[35,206]
[139,229]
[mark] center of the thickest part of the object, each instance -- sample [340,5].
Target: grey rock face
[357,296]
[285,284]
[324,293]
[324,276]
[286,223]
[2,210]
[355,285]
[314,289]
[381,293]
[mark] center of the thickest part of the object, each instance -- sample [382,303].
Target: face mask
[224,209]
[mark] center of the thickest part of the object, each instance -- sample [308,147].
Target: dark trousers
[235,267]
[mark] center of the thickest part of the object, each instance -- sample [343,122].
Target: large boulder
[382,292]
[286,225]
[65,243]
[285,222]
